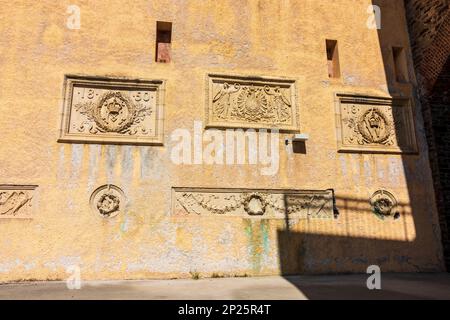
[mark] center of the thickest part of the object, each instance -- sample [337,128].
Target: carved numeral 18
[90,94]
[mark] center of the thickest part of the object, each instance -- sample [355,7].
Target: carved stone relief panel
[107,201]
[251,102]
[369,124]
[247,203]
[107,110]
[16,201]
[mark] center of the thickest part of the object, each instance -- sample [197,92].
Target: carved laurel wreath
[364,131]
[103,124]
[135,115]
[254,196]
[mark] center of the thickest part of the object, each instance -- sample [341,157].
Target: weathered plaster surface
[267,38]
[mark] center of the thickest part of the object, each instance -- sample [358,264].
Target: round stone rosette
[107,201]
[384,204]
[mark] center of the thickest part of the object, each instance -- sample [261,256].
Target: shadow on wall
[315,253]
[439,103]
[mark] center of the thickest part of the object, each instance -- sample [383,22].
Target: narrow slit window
[163,41]
[401,69]
[333,59]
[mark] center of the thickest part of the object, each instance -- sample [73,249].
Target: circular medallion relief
[114,112]
[252,103]
[107,201]
[384,204]
[374,126]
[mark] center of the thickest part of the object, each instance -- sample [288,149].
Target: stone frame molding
[141,122]
[246,111]
[371,126]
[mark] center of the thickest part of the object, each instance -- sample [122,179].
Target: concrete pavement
[394,286]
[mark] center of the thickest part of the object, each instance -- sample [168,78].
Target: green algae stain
[265,228]
[257,233]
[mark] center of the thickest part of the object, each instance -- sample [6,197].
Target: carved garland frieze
[251,102]
[112,111]
[16,201]
[268,204]
[375,124]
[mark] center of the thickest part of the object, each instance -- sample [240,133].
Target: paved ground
[394,286]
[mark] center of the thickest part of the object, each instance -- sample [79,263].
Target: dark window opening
[163,41]
[333,59]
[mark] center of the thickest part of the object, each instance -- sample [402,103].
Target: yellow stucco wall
[266,37]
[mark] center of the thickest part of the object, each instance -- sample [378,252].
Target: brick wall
[429,24]
[439,104]
[429,28]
